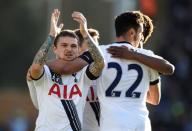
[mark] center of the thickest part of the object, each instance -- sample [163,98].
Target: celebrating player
[154,93]
[61,98]
[123,85]
[77,64]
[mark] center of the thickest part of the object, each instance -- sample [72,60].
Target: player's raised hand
[79,17]
[121,52]
[54,29]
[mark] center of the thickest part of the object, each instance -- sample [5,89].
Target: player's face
[66,48]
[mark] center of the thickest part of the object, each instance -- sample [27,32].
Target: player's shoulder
[104,48]
[47,70]
[116,44]
[145,51]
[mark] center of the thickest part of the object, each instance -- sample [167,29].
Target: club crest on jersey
[56,77]
[56,90]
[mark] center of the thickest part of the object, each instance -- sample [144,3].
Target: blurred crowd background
[24,25]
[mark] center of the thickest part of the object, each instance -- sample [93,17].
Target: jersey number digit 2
[130,92]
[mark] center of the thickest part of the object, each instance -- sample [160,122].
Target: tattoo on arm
[96,67]
[41,55]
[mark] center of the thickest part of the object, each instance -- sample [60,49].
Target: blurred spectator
[19,121]
[175,111]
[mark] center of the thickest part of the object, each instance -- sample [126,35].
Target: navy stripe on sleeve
[154,82]
[72,115]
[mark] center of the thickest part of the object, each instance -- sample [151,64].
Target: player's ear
[54,48]
[132,32]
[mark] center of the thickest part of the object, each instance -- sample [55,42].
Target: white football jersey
[91,115]
[122,91]
[33,93]
[61,100]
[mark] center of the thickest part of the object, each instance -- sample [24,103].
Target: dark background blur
[24,25]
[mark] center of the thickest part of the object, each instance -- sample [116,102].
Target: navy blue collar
[124,42]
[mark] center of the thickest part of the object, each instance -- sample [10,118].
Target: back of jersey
[122,90]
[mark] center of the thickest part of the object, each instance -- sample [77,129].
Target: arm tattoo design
[97,65]
[41,55]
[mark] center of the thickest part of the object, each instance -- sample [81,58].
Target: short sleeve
[154,77]
[33,93]
[41,81]
[145,52]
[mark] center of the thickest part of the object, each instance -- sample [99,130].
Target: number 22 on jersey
[130,92]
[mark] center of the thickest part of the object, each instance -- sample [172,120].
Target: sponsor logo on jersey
[92,96]
[74,91]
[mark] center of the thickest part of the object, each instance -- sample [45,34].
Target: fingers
[114,48]
[115,54]
[76,14]
[123,46]
[79,17]
[54,29]
[56,14]
[61,26]
[78,20]
[118,51]
[115,51]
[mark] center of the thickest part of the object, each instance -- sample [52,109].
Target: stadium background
[24,24]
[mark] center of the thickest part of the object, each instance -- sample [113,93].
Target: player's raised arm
[157,63]
[97,65]
[36,69]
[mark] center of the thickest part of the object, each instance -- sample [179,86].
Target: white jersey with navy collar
[61,100]
[122,91]
[33,93]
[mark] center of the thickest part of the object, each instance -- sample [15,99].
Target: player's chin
[69,58]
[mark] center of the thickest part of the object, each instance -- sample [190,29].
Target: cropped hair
[65,33]
[148,28]
[128,20]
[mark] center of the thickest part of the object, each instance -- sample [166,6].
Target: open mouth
[68,55]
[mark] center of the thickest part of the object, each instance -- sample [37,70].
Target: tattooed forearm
[98,64]
[41,55]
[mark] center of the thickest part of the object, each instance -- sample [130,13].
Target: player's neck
[122,39]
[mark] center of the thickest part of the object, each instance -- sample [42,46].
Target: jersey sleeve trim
[90,75]
[86,56]
[39,76]
[154,82]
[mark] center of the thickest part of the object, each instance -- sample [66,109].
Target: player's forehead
[67,40]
